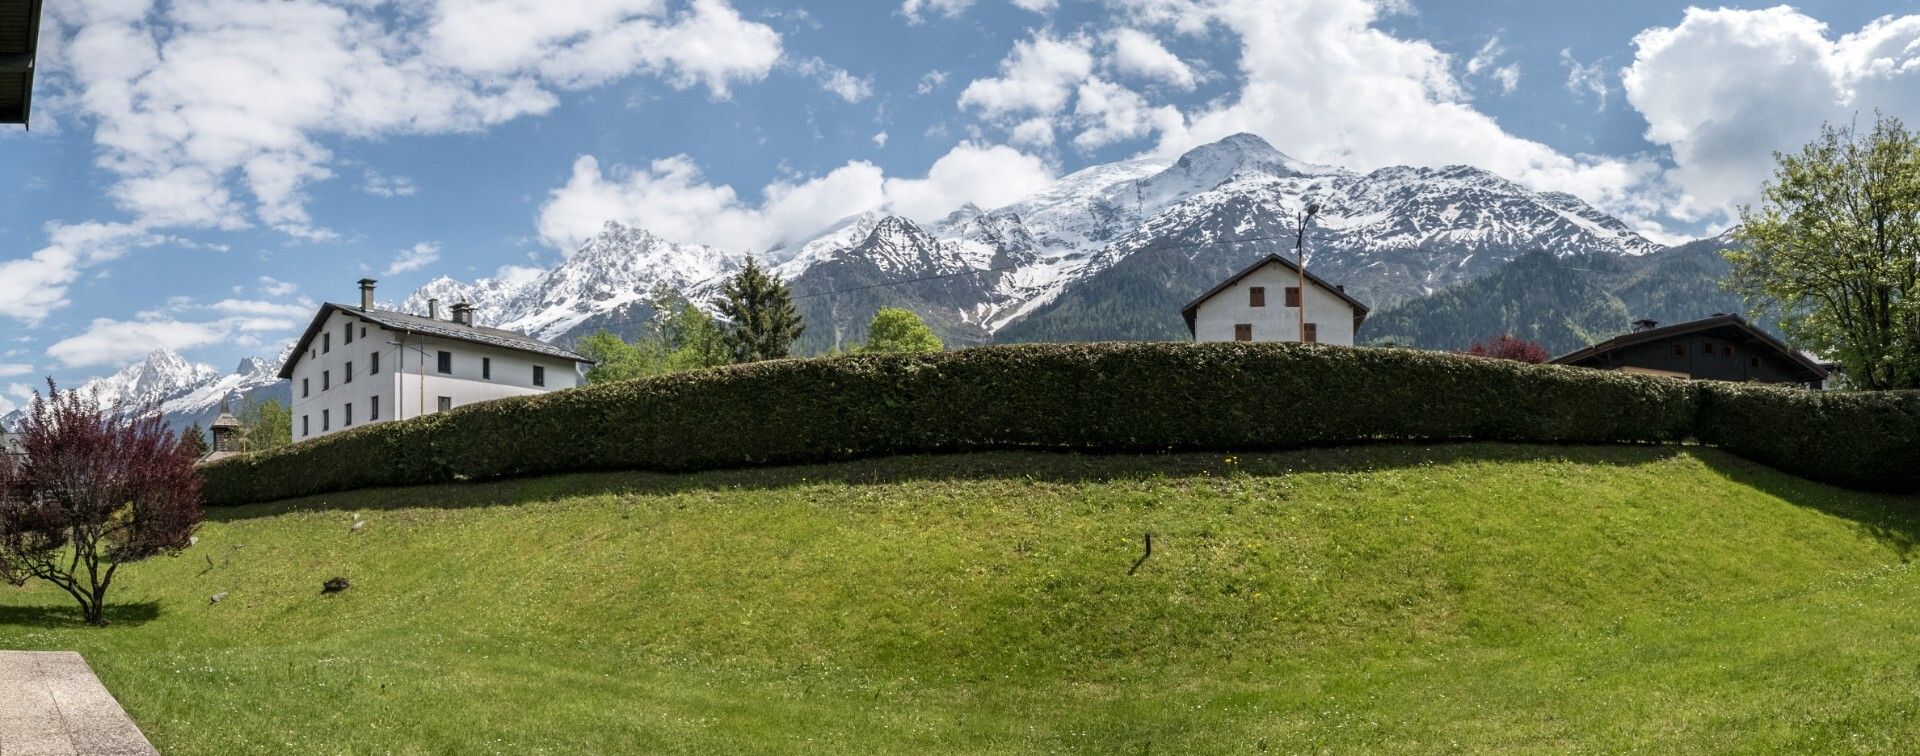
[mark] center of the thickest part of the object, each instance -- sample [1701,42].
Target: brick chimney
[463,313]
[366,294]
[433,309]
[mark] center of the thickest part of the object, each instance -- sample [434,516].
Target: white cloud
[1037,77]
[35,285]
[113,342]
[1034,132]
[214,113]
[671,198]
[835,80]
[916,10]
[1487,62]
[1724,89]
[1037,6]
[382,185]
[275,287]
[1112,113]
[1587,78]
[880,140]
[413,258]
[930,81]
[14,369]
[300,308]
[1137,53]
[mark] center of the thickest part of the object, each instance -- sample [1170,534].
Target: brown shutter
[1293,296]
[1312,332]
[1243,332]
[1257,296]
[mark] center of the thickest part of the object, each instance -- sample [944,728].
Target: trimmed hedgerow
[1093,397]
[1090,397]
[1858,439]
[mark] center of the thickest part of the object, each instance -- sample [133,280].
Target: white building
[360,365]
[1262,303]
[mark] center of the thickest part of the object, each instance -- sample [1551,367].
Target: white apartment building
[361,365]
[1263,303]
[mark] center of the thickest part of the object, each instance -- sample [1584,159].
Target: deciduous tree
[1507,346]
[897,330]
[93,490]
[265,425]
[1834,249]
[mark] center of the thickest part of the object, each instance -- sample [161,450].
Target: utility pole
[1300,258]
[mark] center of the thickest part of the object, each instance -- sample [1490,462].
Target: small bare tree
[89,491]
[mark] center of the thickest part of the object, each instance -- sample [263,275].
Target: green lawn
[1396,598]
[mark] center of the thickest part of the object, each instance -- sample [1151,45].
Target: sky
[199,174]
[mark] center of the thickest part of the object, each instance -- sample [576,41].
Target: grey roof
[19,41]
[446,329]
[1732,322]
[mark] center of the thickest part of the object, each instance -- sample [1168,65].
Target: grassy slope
[1394,598]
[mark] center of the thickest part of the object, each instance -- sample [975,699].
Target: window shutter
[1312,333]
[1257,296]
[1293,296]
[1243,332]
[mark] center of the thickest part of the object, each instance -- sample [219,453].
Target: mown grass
[1389,598]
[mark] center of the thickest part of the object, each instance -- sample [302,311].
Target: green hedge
[1857,439]
[1093,397]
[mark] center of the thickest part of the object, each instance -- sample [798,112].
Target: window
[305,385]
[349,332]
[373,408]
[1726,350]
[446,403]
[1257,296]
[539,376]
[373,368]
[326,420]
[306,428]
[486,368]
[1311,333]
[1679,349]
[1243,332]
[446,362]
[326,343]
[347,377]
[347,418]
[326,379]
[363,332]
[1293,296]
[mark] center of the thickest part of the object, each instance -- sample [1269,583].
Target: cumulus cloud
[1139,54]
[113,342]
[1112,113]
[275,287]
[1486,62]
[215,113]
[1724,89]
[34,286]
[670,197]
[917,11]
[930,81]
[413,258]
[1037,77]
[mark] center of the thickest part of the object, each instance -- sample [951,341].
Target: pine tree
[195,440]
[763,322]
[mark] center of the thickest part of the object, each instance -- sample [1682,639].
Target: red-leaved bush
[1509,347]
[89,491]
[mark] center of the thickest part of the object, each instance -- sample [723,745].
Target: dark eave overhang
[1637,338]
[19,48]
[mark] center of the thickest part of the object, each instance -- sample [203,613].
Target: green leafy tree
[194,441]
[762,320]
[678,337]
[897,330]
[1834,249]
[265,425]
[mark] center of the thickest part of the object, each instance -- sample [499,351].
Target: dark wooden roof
[446,329]
[1193,308]
[1733,322]
[19,42]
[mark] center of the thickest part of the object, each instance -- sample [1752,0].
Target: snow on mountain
[1389,234]
[185,392]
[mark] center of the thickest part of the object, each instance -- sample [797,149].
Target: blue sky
[200,172]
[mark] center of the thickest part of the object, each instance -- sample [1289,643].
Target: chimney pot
[463,313]
[433,309]
[366,294]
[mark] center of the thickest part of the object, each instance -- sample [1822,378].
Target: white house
[1262,303]
[360,365]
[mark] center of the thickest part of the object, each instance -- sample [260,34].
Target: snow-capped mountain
[185,392]
[1101,233]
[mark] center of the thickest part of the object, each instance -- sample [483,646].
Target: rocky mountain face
[185,392]
[1566,302]
[1109,252]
